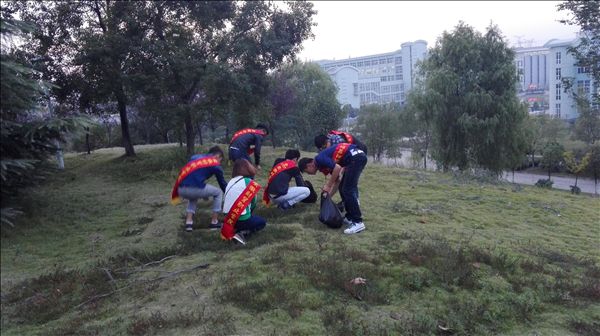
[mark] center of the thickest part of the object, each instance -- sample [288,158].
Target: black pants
[349,186]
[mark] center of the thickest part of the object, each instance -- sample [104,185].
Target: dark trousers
[235,154]
[349,186]
[252,224]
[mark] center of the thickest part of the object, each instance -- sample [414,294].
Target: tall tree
[303,104]
[189,40]
[478,115]
[98,40]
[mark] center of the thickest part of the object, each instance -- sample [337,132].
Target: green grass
[440,251]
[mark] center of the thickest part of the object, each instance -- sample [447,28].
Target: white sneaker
[239,238]
[355,228]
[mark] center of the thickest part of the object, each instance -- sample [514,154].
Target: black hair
[264,127]
[303,163]
[320,141]
[216,150]
[291,154]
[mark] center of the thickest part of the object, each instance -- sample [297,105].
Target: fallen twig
[142,281]
[194,289]
[159,261]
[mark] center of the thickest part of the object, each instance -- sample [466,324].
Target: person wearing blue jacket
[194,187]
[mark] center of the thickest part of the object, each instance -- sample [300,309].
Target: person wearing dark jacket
[330,162]
[278,189]
[247,141]
[336,137]
[191,185]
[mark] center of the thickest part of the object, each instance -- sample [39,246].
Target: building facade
[376,79]
[542,71]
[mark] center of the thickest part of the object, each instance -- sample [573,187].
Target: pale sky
[359,28]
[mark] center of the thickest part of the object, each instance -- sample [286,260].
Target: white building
[541,73]
[376,79]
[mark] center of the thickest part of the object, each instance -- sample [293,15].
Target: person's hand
[326,188]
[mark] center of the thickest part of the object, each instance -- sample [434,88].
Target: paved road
[564,183]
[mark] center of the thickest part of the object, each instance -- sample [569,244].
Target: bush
[544,183]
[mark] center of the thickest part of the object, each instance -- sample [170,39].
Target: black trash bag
[330,215]
[312,197]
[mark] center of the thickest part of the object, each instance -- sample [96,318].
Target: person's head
[217,152]
[321,142]
[263,127]
[292,154]
[307,165]
[243,167]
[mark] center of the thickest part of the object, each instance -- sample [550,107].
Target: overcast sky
[358,28]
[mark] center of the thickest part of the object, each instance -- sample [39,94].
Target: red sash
[348,137]
[241,203]
[280,167]
[247,131]
[189,168]
[338,153]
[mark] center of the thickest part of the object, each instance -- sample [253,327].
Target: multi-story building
[385,78]
[541,72]
[376,79]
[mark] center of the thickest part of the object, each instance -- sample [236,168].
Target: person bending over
[336,137]
[191,185]
[247,141]
[330,162]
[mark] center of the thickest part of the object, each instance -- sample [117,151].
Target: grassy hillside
[101,251]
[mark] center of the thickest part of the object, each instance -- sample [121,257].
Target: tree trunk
[272,134]
[122,106]
[87,140]
[576,177]
[189,134]
[199,127]
[59,154]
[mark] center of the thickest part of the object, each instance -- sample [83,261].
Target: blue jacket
[197,179]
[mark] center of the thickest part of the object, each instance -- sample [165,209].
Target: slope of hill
[101,251]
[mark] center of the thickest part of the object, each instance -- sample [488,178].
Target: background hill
[101,251]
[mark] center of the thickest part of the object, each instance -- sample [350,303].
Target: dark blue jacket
[197,179]
[324,160]
[243,142]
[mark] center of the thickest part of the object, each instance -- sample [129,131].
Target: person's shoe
[340,206]
[189,227]
[285,205]
[238,238]
[215,226]
[355,228]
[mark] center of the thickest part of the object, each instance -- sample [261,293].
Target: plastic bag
[312,197]
[330,214]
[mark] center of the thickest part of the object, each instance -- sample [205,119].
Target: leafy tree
[196,44]
[586,14]
[576,165]
[587,125]
[540,130]
[303,104]
[26,139]
[594,163]
[477,115]
[378,127]
[552,157]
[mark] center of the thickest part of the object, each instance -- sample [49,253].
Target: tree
[27,137]
[594,163]
[576,165]
[587,125]
[552,157]
[540,130]
[586,14]
[477,115]
[303,104]
[97,41]
[190,41]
